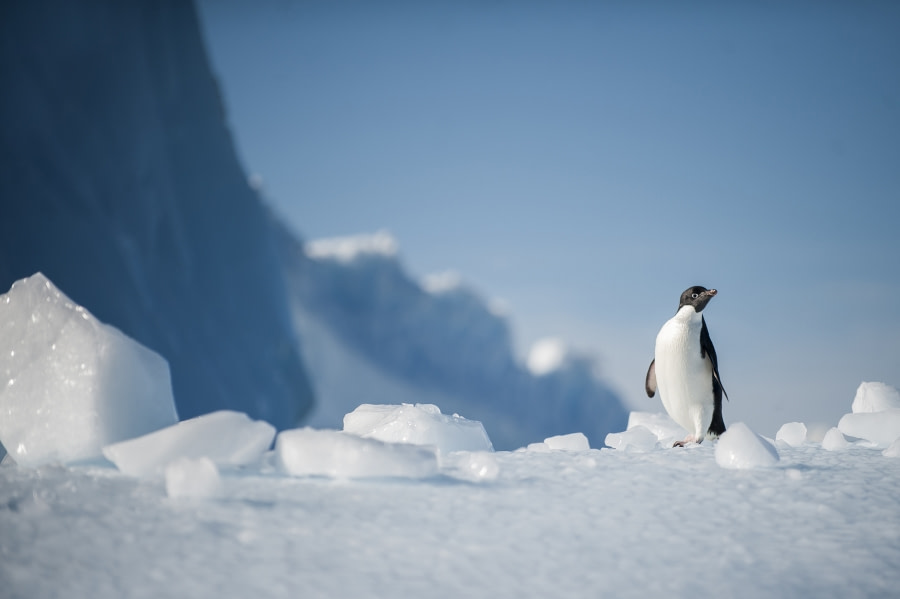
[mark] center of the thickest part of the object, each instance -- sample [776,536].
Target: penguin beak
[710,292]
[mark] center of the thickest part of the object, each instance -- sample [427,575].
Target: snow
[442,282]
[70,384]
[225,437]
[546,355]
[350,248]
[834,440]
[546,524]
[741,448]
[792,433]
[337,454]
[875,397]
[419,424]
[196,478]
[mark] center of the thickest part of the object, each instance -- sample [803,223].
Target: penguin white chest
[683,375]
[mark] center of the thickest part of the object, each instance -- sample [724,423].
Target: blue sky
[586,162]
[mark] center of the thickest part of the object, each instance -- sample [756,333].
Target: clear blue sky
[586,162]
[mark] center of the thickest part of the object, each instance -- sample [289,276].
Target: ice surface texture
[70,384]
[225,437]
[420,424]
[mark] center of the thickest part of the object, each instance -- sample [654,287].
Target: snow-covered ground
[408,501]
[589,523]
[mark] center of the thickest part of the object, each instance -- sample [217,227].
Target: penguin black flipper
[650,381]
[708,350]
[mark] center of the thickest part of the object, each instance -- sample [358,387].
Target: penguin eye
[695,296]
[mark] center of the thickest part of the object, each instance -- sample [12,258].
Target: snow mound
[834,440]
[194,478]
[881,428]
[350,248]
[70,384]
[225,437]
[570,442]
[741,448]
[546,356]
[792,433]
[893,450]
[667,431]
[875,397]
[419,424]
[338,454]
[637,439]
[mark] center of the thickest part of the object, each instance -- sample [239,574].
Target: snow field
[407,501]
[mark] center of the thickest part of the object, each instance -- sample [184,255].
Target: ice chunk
[315,452]
[881,428]
[419,424]
[834,440]
[227,438]
[666,430]
[875,397]
[570,442]
[474,466]
[792,433]
[197,478]
[893,450]
[70,384]
[739,447]
[638,439]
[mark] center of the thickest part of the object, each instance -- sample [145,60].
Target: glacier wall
[119,181]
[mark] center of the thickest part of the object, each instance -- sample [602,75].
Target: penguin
[685,369]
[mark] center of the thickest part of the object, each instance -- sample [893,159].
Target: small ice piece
[740,448]
[539,447]
[70,384]
[834,440]
[792,433]
[338,454]
[667,431]
[875,397]
[893,450]
[638,439]
[227,438]
[570,442]
[419,424]
[195,478]
[473,466]
[881,428]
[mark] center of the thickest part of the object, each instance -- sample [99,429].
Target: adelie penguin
[685,370]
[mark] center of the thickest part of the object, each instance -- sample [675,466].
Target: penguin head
[697,297]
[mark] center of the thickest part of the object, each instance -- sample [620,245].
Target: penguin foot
[687,440]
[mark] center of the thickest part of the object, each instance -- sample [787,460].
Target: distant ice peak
[349,248]
[547,355]
[442,282]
